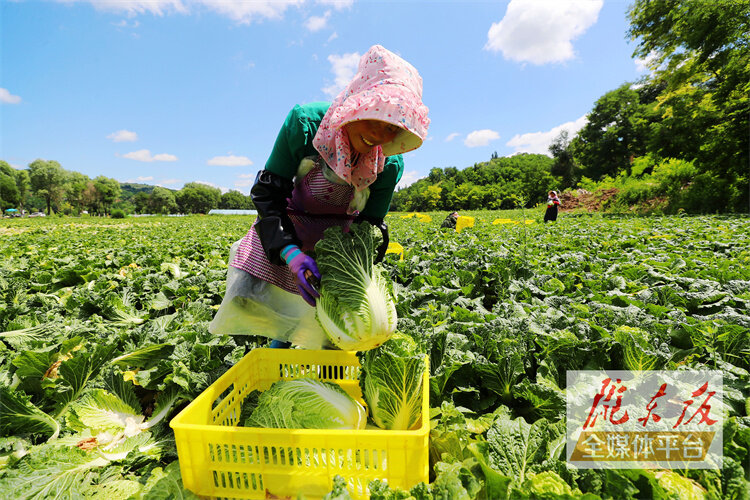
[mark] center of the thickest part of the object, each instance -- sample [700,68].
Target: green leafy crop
[104,337]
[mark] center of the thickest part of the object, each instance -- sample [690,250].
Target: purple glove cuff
[289,252]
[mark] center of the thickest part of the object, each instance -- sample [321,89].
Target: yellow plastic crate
[463,222]
[220,460]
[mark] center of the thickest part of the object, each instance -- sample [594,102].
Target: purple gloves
[303,268]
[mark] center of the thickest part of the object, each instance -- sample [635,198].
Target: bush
[663,186]
[634,191]
[642,165]
[587,184]
[117,214]
[707,194]
[672,175]
[65,208]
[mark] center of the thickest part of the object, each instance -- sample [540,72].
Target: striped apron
[316,204]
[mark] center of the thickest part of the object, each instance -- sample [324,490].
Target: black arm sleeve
[378,223]
[275,229]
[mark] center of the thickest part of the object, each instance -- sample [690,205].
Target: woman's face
[366,134]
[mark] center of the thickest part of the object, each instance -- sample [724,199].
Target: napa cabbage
[307,404]
[356,307]
[391,382]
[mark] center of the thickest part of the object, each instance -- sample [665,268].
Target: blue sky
[166,92]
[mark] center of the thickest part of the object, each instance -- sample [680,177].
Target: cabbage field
[105,338]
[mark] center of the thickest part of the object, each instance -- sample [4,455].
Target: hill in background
[130,189]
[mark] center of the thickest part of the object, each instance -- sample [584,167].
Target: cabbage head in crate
[391,383]
[356,307]
[307,404]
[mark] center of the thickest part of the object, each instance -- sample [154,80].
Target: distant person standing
[552,203]
[450,221]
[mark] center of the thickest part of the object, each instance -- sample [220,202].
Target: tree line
[679,134]
[46,186]
[501,183]
[193,198]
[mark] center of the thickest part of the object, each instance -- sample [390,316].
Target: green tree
[47,181]
[140,202]
[8,192]
[612,136]
[108,190]
[162,201]
[451,172]
[90,197]
[22,184]
[197,198]
[701,54]
[75,185]
[233,199]
[436,175]
[448,186]
[432,197]
[9,196]
[564,165]
[499,183]
[401,201]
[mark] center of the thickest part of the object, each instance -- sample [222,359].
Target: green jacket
[294,143]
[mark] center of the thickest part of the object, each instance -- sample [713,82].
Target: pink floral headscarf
[385,88]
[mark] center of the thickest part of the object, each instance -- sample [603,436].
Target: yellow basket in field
[396,248]
[463,222]
[220,460]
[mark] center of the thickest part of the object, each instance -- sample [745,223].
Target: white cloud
[242,12]
[541,31]
[206,183]
[125,24]
[230,161]
[317,23]
[452,136]
[538,142]
[333,36]
[408,179]
[134,7]
[344,68]
[145,155]
[645,64]
[168,182]
[337,4]
[123,136]
[140,179]
[481,138]
[243,183]
[8,98]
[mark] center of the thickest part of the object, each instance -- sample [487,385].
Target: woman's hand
[302,266]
